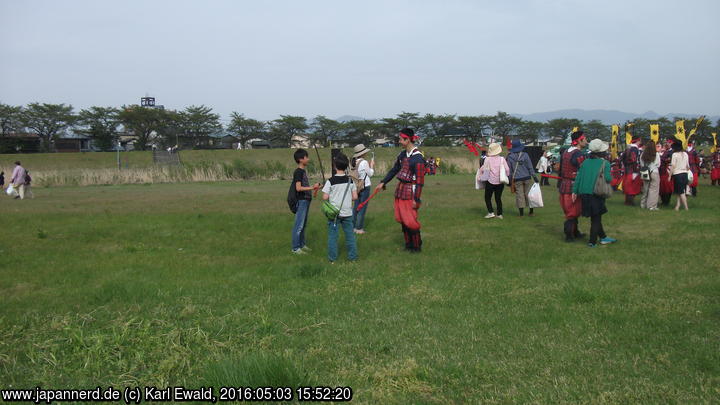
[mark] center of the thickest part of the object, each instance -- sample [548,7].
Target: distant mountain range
[608,117]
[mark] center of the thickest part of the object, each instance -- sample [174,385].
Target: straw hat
[597,146]
[360,150]
[494,149]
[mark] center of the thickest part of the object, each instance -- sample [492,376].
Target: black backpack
[292,199]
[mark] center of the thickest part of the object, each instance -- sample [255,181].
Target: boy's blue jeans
[360,216]
[301,216]
[347,226]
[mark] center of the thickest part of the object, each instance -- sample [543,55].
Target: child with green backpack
[339,193]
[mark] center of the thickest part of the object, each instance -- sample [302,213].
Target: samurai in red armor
[410,171]
[666,182]
[570,161]
[715,172]
[694,160]
[632,182]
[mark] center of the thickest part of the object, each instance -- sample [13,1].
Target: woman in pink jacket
[491,168]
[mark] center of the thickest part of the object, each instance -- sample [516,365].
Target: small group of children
[340,191]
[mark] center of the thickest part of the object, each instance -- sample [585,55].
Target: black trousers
[496,189]
[596,228]
[544,181]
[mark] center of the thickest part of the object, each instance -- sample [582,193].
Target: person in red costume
[570,161]
[715,173]
[632,182]
[410,171]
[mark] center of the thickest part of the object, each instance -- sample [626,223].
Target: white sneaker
[306,249]
[499,217]
[298,252]
[490,215]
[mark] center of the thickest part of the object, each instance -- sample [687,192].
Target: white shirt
[336,192]
[365,171]
[679,163]
[542,164]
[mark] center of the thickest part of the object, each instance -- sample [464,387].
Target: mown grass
[192,284]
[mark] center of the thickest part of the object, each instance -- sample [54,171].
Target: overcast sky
[366,58]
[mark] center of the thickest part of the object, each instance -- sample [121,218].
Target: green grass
[192,284]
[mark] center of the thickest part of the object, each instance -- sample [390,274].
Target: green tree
[286,127]
[408,120]
[559,128]
[530,131]
[436,126]
[472,126]
[362,131]
[48,121]
[10,119]
[246,129]
[143,122]
[324,130]
[504,124]
[169,129]
[596,129]
[198,123]
[100,124]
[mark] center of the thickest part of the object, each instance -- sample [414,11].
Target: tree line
[193,126]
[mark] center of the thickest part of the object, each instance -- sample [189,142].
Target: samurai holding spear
[410,170]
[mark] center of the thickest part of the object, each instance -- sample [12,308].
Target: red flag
[471,147]
[508,143]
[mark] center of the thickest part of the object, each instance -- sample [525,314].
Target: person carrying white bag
[535,196]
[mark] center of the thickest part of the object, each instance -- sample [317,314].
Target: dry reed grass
[203,172]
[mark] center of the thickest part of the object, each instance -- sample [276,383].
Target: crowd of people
[586,174]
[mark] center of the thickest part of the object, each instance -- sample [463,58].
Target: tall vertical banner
[680,132]
[655,132]
[628,133]
[714,148]
[692,131]
[613,141]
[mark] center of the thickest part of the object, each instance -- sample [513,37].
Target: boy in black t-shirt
[304,196]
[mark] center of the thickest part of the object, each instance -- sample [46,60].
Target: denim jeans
[301,216]
[360,216]
[347,225]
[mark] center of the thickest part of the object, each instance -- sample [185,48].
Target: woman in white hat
[493,165]
[362,171]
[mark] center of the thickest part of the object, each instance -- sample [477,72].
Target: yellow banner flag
[655,132]
[692,132]
[680,132]
[714,148]
[613,141]
[628,133]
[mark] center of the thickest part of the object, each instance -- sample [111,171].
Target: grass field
[193,284]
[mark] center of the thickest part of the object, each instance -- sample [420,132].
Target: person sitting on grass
[340,190]
[593,206]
